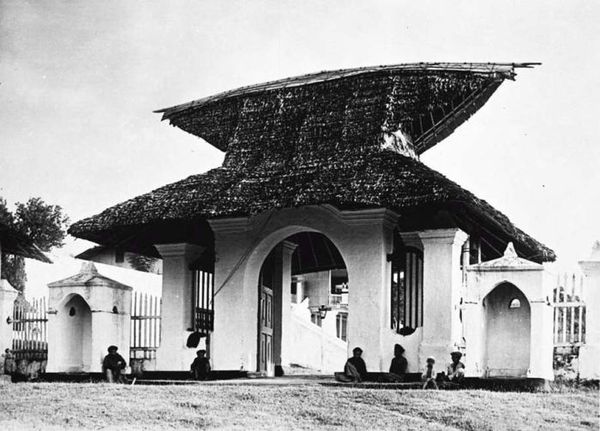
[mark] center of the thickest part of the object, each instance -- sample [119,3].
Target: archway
[302,306]
[75,320]
[508,332]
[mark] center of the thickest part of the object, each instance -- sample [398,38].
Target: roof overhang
[436,114]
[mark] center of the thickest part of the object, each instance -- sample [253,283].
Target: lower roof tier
[424,199]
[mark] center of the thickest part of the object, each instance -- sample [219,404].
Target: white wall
[363,239]
[314,348]
[507,333]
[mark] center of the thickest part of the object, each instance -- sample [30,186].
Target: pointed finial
[88,268]
[595,255]
[510,250]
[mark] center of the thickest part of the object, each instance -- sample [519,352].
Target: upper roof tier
[419,103]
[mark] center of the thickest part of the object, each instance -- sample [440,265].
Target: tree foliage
[42,223]
[142,263]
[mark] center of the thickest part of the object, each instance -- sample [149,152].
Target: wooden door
[265,319]
[265,355]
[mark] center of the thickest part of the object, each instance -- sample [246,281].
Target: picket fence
[30,327]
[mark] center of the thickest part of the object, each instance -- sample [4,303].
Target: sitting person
[456,369]
[200,368]
[112,366]
[397,367]
[429,375]
[355,369]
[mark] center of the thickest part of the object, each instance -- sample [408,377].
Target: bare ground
[46,406]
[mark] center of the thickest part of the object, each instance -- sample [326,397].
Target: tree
[42,223]
[142,263]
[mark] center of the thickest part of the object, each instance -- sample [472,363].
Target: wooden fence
[29,324]
[145,326]
[569,312]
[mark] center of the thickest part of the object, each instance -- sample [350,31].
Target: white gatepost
[589,354]
[7,300]
[442,281]
[86,313]
[176,314]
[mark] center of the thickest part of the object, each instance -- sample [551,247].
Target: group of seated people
[114,365]
[355,369]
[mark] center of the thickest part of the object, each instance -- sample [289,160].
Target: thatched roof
[426,100]
[321,139]
[13,242]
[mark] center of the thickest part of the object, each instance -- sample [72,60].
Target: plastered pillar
[442,280]
[234,340]
[589,354]
[176,313]
[366,247]
[7,299]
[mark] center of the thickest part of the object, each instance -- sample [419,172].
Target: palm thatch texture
[347,138]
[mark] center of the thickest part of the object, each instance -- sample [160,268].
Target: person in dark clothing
[113,365]
[200,368]
[355,369]
[397,367]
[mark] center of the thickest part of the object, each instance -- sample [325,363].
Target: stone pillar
[176,313]
[7,299]
[589,354]
[442,280]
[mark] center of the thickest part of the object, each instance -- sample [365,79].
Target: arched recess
[283,337]
[507,332]
[75,321]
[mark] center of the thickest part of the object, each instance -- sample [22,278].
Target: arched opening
[302,306]
[508,332]
[74,348]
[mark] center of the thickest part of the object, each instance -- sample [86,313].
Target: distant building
[124,259]
[322,200]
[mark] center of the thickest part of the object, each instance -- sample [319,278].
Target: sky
[79,82]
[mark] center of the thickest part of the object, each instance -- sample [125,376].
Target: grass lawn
[51,406]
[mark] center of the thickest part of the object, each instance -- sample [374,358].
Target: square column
[589,353]
[7,299]
[442,282]
[176,313]
[368,240]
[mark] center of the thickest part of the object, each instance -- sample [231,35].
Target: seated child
[429,374]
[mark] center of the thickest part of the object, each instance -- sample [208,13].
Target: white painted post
[7,299]
[442,281]
[589,354]
[173,355]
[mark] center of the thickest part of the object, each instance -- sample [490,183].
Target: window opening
[406,288]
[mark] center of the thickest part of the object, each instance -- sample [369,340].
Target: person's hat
[112,348]
[357,349]
[201,351]
[430,359]
[456,353]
